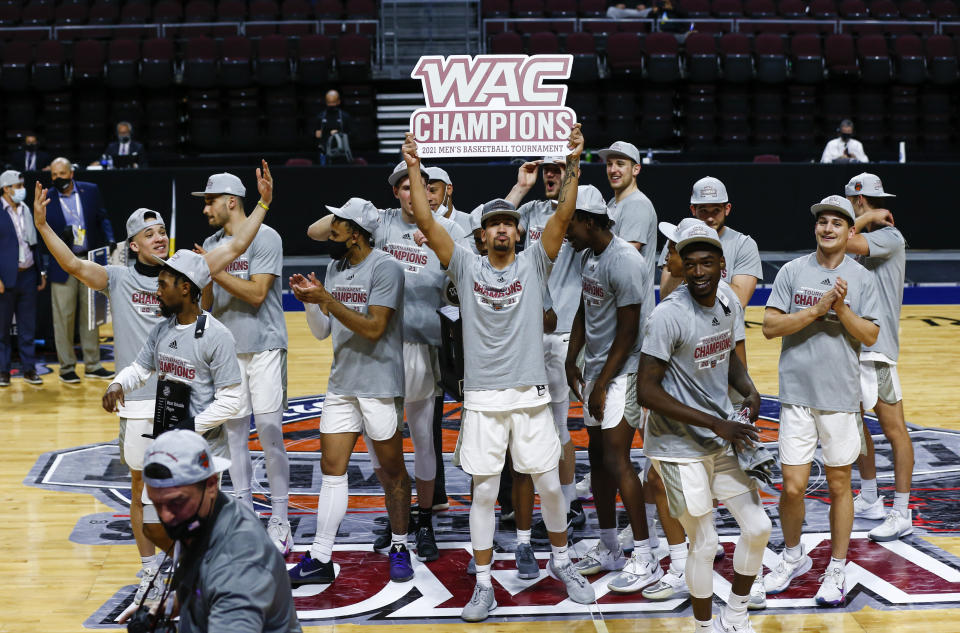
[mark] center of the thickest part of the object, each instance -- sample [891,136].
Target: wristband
[261,204]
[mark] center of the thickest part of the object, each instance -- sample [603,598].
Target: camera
[143,621]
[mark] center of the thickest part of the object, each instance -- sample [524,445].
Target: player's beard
[168,311]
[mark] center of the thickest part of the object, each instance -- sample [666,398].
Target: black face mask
[125,139]
[845,136]
[61,184]
[186,529]
[31,147]
[337,250]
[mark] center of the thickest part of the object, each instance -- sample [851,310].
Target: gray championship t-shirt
[363,368]
[635,220]
[502,313]
[887,261]
[613,279]
[696,342]
[740,253]
[820,364]
[255,329]
[136,311]
[424,276]
[564,281]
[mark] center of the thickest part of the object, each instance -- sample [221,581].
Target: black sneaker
[310,571]
[103,374]
[4,379]
[32,378]
[70,377]
[426,545]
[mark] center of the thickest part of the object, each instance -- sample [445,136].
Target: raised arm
[437,237]
[220,257]
[556,228]
[91,274]
[526,179]
[320,230]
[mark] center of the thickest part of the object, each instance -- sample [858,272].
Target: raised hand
[265,183]
[575,142]
[409,151]
[40,202]
[527,174]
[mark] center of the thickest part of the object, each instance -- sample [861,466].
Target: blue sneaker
[310,571]
[401,569]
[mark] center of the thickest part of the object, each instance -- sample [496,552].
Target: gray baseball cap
[837,204]
[498,206]
[590,199]
[672,231]
[224,183]
[475,218]
[10,177]
[400,172]
[554,160]
[866,185]
[186,455]
[621,148]
[438,173]
[698,233]
[360,211]
[192,265]
[137,222]
[708,190]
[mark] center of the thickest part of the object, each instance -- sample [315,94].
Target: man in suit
[76,213]
[30,158]
[126,146]
[21,277]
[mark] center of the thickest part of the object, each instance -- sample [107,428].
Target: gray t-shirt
[361,367]
[564,281]
[635,220]
[739,252]
[424,276]
[205,364]
[255,329]
[613,279]
[820,364]
[887,261]
[696,342]
[461,219]
[136,311]
[502,313]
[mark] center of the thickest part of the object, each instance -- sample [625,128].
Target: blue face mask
[19,195]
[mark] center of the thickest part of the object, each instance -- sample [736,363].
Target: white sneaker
[758,595]
[719,554]
[864,510]
[832,592]
[625,537]
[279,532]
[599,558]
[672,585]
[894,527]
[720,625]
[785,571]
[584,491]
[639,572]
[482,602]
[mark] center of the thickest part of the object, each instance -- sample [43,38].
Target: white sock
[641,549]
[678,558]
[901,502]
[793,554]
[331,508]
[608,536]
[837,562]
[560,556]
[705,626]
[868,490]
[398,539]
[523,536]
[737,608]
[483,575]
[569,493]
[279,507]
[651,511]
[147,561]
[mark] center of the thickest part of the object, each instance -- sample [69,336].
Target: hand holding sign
[409,151]
[575,143]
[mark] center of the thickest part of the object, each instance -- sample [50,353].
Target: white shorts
[635,414]
[554,359]
[133,444]
[879,381]
[838,432]
[379,418]
[614,407]
[421,371]
[263,378]
[692,486]
[530,434]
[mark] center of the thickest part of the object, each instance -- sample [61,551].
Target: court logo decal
[906,574]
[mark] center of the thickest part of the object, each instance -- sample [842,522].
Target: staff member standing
[21,278]
[77,214]
[230,576]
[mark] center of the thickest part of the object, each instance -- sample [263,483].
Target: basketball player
[246,298]
[440,198]
[360,303]
[422,296]
[607,327]
[686,368]
[133,295]
[825,306]
[505,383]
[563,287]
[882,250]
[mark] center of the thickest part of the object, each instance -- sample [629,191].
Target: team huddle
[571,313]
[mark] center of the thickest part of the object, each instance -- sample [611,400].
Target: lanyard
[78,216]
[18,217]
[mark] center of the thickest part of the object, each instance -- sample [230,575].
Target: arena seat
[944,10]
[560,8]
[807,58]
[737,62]
[942,59]
[236,56]
[36,13]
[296,10]
[135,13]
[909,62]
[231,11]
[823,9]
[760,9]
[360,9]
[771,58]
[15,65]
[314,55]
[199,11]
[583,48]
[9,13]
[506,43]
[199,62]
[528,8]
[495,8]
[543,43]
[694,8]
[700,55]
[662,59]
[156,68]
[884,10]
[875,66]
[840,56]
[48,66]
[123,59]
[793,9]
[915,10]
[353,57]
[89,59]
[104,12]
[592,8]
[264,10]
[273,61]
[172,11]
[624,53]
[727,8]
[71,13]
[328,9]
[853,10]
